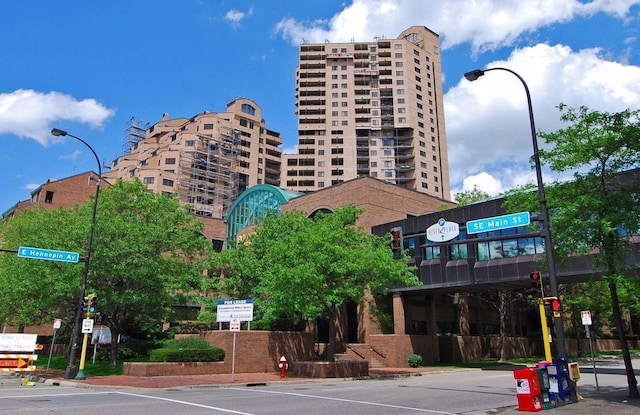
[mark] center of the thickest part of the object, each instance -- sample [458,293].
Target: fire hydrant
[283,365]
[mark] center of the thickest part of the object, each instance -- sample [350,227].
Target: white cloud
[236,16]
[72,156]
[485,24]
[32,186]
[29,114]
[487,121]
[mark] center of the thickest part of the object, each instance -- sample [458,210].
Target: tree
[599,209]
[467,197]
[305,268]
[36,291]
[147,249]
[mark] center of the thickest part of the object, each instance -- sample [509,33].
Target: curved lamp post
[71,371]
[544,214]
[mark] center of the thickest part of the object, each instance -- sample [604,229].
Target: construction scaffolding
[136,130]
[208,174]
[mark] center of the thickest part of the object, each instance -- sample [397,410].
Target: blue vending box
[559,381]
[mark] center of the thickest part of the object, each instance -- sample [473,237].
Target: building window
[48,197]
[208,126]
[190,143]
[167,182]
[148,180]
[402,120]
[170,160]
[248,109]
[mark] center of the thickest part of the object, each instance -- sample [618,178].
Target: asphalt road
[461,392]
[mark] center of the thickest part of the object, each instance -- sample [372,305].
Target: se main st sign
[445,231]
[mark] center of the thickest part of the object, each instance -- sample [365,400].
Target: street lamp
[71,371]
[544,213]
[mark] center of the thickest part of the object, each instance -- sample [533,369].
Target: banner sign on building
[443,231]
[231,309]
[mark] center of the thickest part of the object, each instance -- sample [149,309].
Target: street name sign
[48,254]
[230,309]
[498,222]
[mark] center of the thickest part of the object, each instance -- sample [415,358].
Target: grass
[99,368]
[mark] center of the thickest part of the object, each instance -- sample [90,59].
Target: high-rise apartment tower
[371,108]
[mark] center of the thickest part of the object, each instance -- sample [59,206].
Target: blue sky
[88,67]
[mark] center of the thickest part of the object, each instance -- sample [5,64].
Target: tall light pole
[544,213]
[71,371]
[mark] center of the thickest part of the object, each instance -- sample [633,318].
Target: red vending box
[528,389]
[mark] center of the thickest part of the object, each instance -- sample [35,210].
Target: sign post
[586,321]
[56,325]
[234,326]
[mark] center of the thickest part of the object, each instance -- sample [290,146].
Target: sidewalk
[605,404]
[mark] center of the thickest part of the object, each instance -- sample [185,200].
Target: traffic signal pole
[91,298]
[545,331]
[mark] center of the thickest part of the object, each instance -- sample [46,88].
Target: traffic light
[396,242]
[92,299]
[536,282]
[556,306]
[85,304]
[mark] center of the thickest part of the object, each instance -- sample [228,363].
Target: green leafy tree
[306,268]
[147,249]
[147,253]
[467,197]
[34,291]
[599,209]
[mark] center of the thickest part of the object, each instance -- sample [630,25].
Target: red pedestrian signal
[556,306]
[536,283]
[396,242]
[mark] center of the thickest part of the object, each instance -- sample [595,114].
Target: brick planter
[339,369]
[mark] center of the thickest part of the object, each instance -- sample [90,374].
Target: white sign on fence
[18,342]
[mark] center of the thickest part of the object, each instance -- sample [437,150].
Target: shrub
[210,354]
[414,360]
[187,343]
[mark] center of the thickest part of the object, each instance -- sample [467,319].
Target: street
[467,392]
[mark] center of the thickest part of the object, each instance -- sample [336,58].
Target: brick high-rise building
[371,108]
[207,160]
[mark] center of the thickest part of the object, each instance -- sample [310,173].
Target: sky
[89,67]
